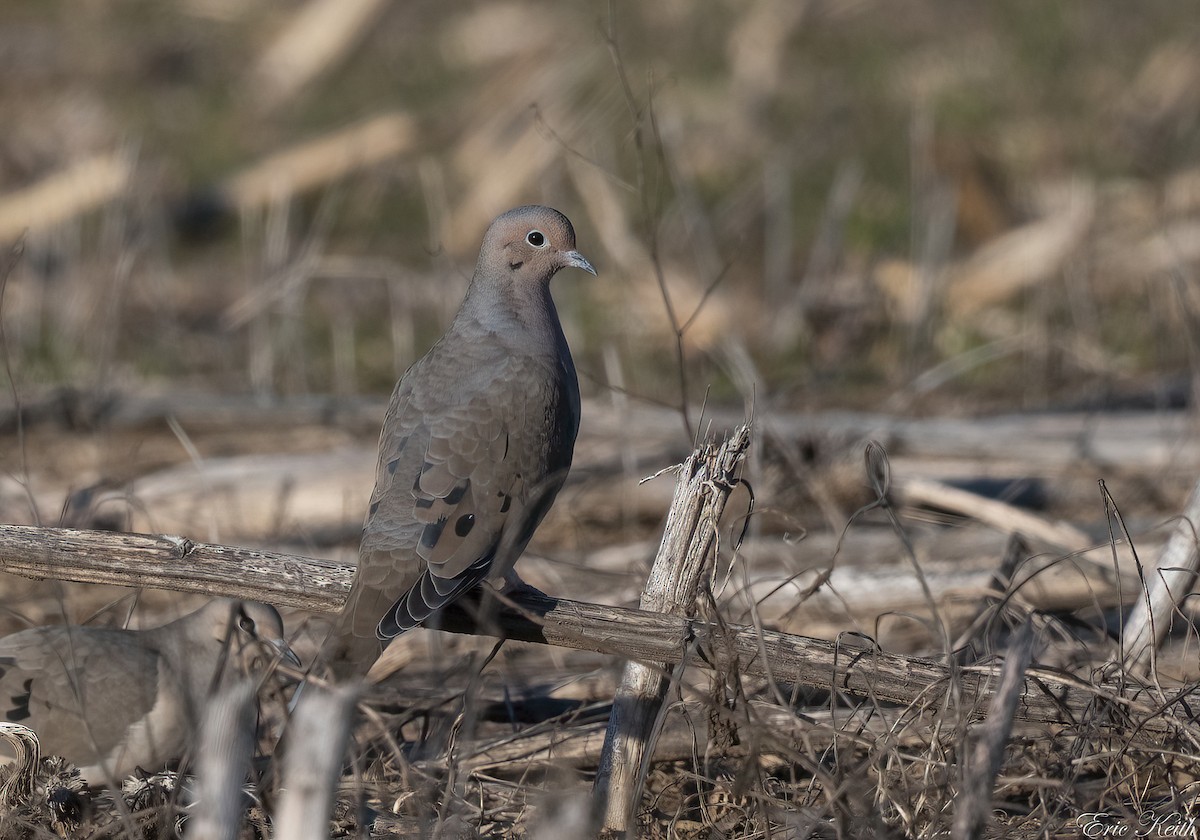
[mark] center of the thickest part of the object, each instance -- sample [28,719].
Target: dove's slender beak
[286,653]
[574,259]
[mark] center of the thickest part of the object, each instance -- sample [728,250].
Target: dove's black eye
[536,238]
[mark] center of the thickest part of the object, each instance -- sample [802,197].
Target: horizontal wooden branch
[174,563]
[850,669]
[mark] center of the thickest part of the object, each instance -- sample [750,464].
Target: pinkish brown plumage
[475,445]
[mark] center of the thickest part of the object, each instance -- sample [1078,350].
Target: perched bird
[476,443]
[112,700]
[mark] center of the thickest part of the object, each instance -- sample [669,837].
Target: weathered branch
[175,563]
[293,581]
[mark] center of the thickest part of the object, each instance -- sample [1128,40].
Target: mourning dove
[475,445]
[111,700]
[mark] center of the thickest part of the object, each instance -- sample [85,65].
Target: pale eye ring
[536,238]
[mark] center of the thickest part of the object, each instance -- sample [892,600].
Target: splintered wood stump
[686,552]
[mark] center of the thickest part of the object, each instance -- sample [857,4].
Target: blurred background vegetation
[913,206]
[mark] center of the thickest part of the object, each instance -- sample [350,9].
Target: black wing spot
[455,495]
[433,532]
[392,465]
[464,524]
[506,504]
[374,507]
[20,708]
[423,503]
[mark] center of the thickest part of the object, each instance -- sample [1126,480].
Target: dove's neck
[193,658]
[514,314]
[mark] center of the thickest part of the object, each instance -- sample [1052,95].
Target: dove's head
[247,627]
[526,246]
